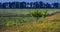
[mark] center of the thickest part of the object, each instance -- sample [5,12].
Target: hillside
[48,24]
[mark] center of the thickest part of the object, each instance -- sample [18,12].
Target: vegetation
[29,24]
[38,14]
[48,24]
[14,21]
[37,4]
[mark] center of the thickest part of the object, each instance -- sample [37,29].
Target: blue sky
[49,1]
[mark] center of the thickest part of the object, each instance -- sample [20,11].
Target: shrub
[39,14]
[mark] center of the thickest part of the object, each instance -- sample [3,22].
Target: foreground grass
[48,24]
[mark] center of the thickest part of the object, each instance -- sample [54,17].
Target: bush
[39,14]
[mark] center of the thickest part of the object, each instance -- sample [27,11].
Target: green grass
[24,11]
[29,24]
[10,21]
[48,24]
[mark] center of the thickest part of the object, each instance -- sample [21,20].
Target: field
[29,24]
[24,11]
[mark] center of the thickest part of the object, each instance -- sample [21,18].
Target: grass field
[24,11]
[29,24]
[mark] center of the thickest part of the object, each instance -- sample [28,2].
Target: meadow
[24,11]
[29,24]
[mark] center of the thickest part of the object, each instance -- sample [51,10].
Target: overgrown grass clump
[14,21]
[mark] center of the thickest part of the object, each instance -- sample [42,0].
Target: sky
[49,1]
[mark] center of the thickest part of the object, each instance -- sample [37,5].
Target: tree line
[29,5]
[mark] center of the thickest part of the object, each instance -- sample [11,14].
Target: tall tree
[41,4]
[6,5]
[31,4]
[47,5]
[22,4]
[17,4]
[12,4]
[1,5]
[27,5]
[55,5]
[35,5]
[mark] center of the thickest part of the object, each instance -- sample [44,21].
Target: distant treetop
[39,4]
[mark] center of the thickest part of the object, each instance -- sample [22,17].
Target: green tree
[39,14]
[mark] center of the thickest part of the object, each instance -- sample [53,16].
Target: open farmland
[29,24]
[24,11]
